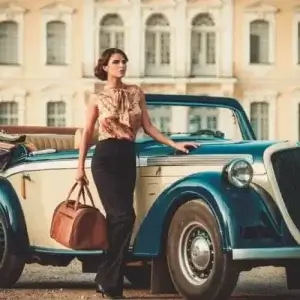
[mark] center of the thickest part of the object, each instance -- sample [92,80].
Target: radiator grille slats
[286,165]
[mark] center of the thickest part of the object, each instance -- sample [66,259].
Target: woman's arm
[91,117]
[156,134]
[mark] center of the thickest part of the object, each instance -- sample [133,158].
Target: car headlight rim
[235,179]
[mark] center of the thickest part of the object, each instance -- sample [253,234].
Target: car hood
[251,147]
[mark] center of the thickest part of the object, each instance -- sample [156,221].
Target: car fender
[11,209]
[236,210]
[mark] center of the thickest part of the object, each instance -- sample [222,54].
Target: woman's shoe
[112,294]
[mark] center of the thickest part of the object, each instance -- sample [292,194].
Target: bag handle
[83,188]
[71,191]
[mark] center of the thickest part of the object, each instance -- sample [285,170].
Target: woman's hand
[182,146]
[81,176]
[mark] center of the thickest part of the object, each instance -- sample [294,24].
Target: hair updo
[103,61]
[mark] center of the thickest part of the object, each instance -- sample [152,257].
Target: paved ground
[45,283]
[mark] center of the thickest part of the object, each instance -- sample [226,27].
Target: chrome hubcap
[200,253]
[196,253]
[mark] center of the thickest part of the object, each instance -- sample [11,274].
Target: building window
[56,43]
[9,113]
[56,114]
[203,118]
[259,116]
[157,46]
[203,45]
[12,106]
[259,42]
[260,27]
[58,103]
[111,32]
[195,123]
[261,107]
[161,117]
[8,43]
[57,24]
[212,122]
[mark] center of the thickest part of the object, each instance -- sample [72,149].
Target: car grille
[286,165]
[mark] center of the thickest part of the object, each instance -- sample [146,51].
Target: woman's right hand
[81,176]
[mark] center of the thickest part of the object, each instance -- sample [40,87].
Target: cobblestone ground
[45,283]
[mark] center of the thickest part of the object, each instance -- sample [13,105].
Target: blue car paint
[227,203]
[11,209]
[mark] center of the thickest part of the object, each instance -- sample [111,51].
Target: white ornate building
[248,49]
[48,50]
[174,46]
[40,62]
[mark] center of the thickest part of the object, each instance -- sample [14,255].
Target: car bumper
[266,253]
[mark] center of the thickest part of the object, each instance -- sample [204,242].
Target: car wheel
[198,267]
[11,266]
[139,276]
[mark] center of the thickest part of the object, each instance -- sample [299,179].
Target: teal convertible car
[203,217]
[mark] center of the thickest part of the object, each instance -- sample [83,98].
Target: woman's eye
[115,62]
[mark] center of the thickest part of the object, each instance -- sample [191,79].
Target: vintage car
[230,205]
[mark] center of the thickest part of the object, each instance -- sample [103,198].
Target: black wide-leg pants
[114,172]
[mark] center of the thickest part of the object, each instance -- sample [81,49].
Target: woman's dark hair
[103,61]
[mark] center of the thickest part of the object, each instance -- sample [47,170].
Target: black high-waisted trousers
[114,172]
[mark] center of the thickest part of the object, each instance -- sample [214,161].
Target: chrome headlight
[239,172]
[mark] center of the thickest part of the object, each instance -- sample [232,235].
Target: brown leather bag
[79,226]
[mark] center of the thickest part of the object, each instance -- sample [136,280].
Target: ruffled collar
[120,98]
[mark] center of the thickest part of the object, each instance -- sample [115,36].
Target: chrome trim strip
[192,160]
[42,250]
[57,165]
[203,160]
[266,253]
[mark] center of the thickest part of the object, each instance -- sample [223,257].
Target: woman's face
[116,66]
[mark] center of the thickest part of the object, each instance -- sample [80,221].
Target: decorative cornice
[11,8]
[261,7]
[13,91]
[58,7]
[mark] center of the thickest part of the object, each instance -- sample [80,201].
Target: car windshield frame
[206,101]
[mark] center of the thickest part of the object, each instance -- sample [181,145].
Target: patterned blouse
[119,112]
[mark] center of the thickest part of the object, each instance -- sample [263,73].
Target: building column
[226,39]
[180,114]
[88,38]
[134,33]
[180,31]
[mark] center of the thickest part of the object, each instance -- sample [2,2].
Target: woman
[121,111]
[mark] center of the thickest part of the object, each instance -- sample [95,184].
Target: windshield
[203,122]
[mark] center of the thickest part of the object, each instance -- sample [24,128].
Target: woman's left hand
[182,146]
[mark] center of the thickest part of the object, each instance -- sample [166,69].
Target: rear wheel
[198,267]
[11,265]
